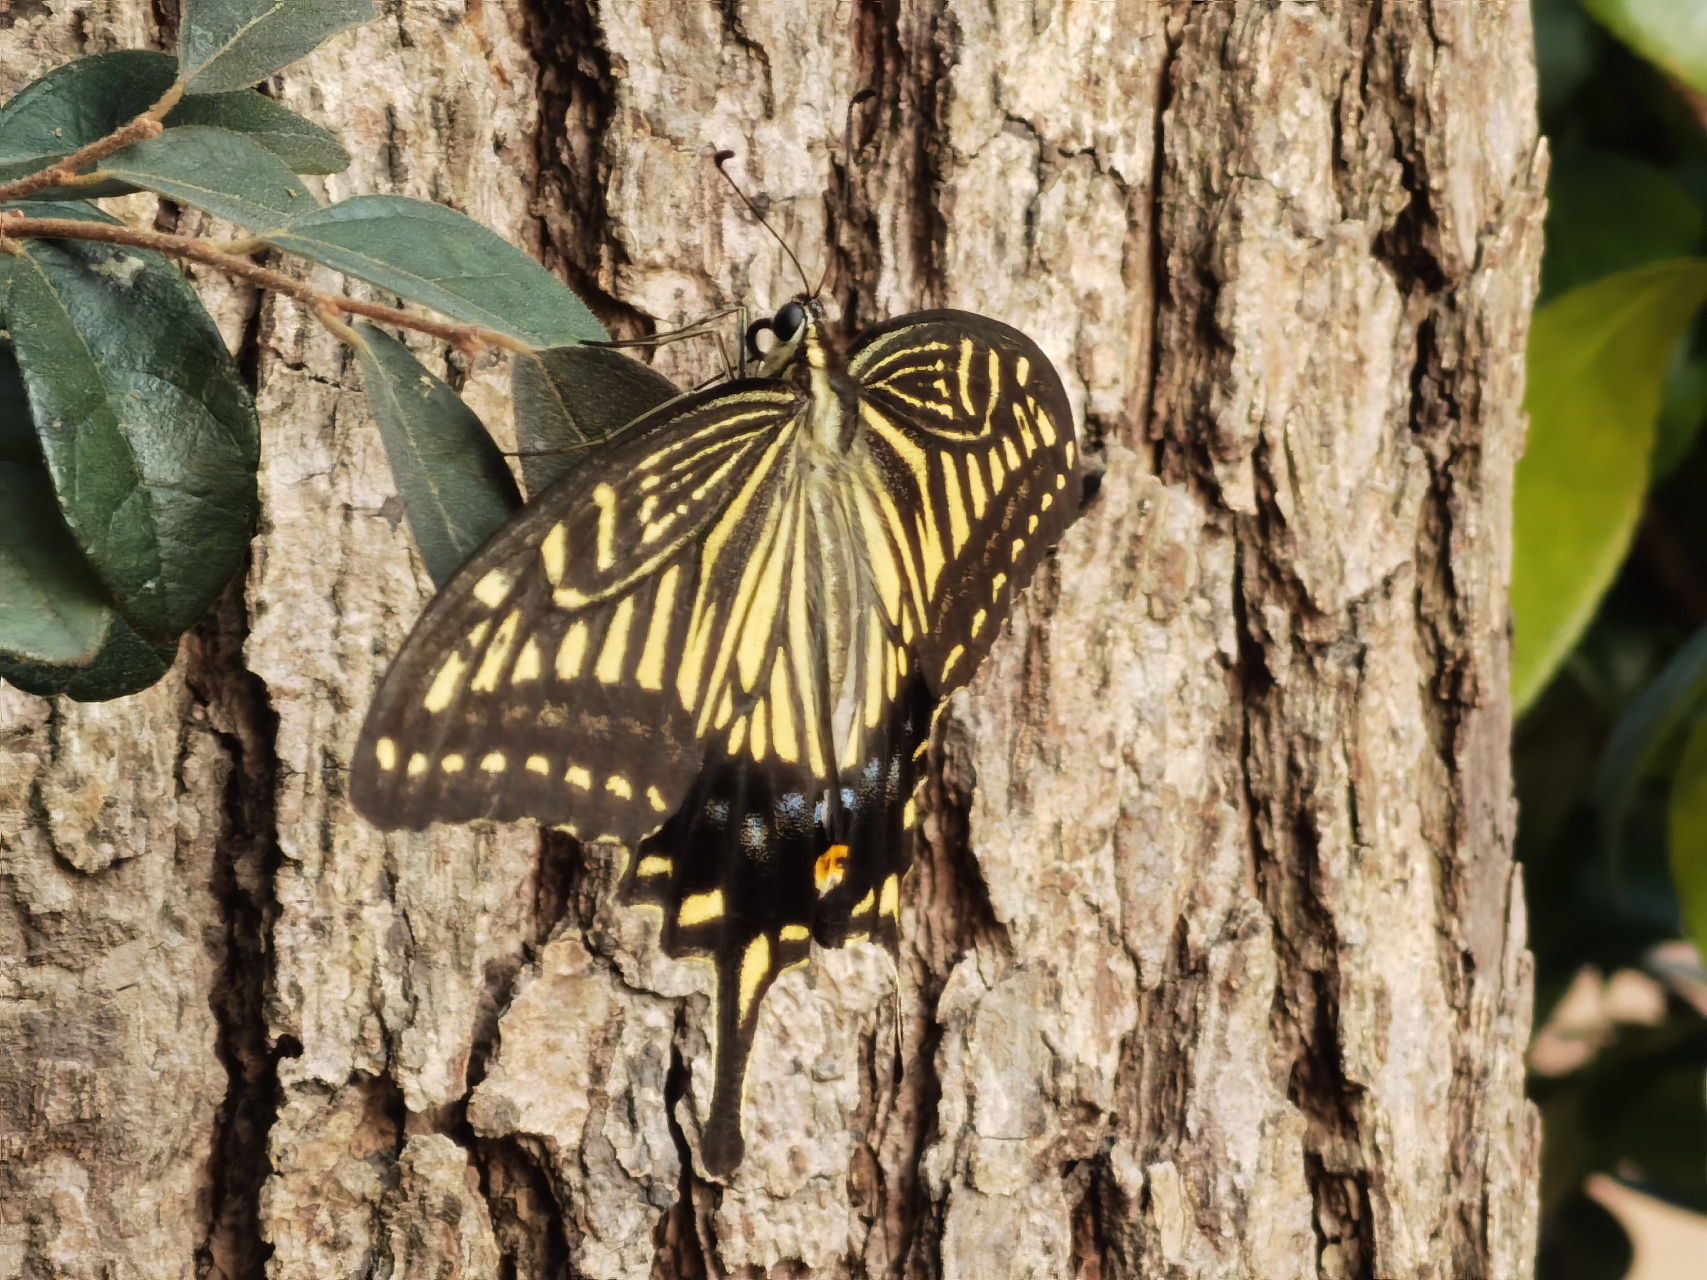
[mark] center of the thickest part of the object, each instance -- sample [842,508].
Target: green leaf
[441,259]
[83,101]
[1608,213]
[230,44]
[18,441]
[52,606]
[1683,407]
[1647,728]
[570,397]
[1686,834]
[144,421]
[76,104]
[301,145]
[224,173]
[126,664]
[1596,362]
[1672,34]
[1567,46]
[455,487]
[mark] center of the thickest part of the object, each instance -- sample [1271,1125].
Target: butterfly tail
[732,871]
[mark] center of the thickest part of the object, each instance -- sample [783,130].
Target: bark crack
[1285,845]
[736,30]
[683,1239]
[577,98]
[915,53]
[1443,422]
[531,1223]
[239,710]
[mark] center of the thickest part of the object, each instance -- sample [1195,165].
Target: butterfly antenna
[845,205]
[719,159]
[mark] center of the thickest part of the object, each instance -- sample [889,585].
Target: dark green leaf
[302,146]
[1650,1115]
[1607,213]
[126,664]
[1683,407]
[1648,727]
[441,259]
[455,487]
[1686,834]
[76,104]
[52,606]
[1566,46]
[1672,34]
[1579,1239]
[18,441]
[85,100]
[224,173]
[1639,1102]
[72,208]
[570,397]
[144,421]
[1596,362]
[230,44]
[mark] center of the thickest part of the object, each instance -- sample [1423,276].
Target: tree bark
[1213,957]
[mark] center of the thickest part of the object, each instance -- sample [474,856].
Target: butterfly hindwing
[761,860]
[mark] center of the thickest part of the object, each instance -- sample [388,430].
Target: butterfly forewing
[969,419]
[546,680]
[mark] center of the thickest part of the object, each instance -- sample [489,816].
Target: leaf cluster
[129,442]
[1609,598]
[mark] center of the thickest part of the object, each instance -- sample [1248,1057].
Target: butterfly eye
[753,332]
[788,321]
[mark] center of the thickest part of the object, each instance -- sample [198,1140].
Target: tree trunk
[1213,958]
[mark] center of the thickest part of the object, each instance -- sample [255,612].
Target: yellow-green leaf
[1672,34]
[1686,836]
[1596,364]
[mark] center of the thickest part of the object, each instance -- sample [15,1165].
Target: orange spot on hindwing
[828,872]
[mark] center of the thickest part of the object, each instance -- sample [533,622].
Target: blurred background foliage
[1609,599]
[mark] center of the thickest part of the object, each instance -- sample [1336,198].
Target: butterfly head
[799,332]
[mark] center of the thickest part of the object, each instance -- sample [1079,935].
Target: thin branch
[145,126]
[14,225]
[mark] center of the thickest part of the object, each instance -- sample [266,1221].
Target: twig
[469,337]
[145,126]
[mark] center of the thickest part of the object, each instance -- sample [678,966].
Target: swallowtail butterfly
[719,641]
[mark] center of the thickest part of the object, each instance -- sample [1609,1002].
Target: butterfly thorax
[814,362]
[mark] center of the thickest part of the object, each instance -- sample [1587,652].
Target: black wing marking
[760,861]
[556,676]
[968,420]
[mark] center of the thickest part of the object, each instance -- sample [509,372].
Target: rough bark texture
[1214,957]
